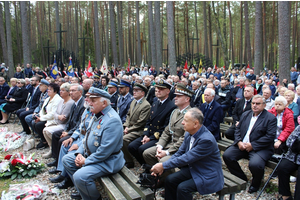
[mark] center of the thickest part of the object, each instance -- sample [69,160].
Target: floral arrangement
[11,140]
[18,166]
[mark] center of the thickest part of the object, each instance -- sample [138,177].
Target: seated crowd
[95,126]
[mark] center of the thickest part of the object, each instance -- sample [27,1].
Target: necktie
[246,103]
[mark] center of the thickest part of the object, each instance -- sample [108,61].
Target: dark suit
[236,115]
[151,94]
[123,106]
[234,92]
[33,103]
[114,100]
[72,124]
[159,119]
[20,96]
[201,167]
[195,101]
[3,90]
[213,116]
[261,138]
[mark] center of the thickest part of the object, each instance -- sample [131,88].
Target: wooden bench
[228,120]
[224,128]
[123,186]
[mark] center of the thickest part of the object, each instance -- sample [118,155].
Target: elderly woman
[47,113]
[19,73]
[14,101]
[289,164]
[289,96]
[285,124]
[61,116]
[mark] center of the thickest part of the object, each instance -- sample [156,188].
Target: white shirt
[192,142]
[252,122]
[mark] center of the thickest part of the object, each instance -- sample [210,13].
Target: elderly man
[199,160]
[136,119]
[100,152]
[213,113]
[195,101]
[86,84]
[254,139]
[124,100]
[159,119]
[267,93]
[112,89]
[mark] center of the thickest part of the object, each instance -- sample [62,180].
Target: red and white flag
[248,68]
[186,65]
[128,67]
[89,70]
[104,68]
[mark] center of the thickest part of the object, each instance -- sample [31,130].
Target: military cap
[124,84]
[112,84]
[45,82]
[182,90]
[141,87]
[96,76]
[163,84]
[96,92]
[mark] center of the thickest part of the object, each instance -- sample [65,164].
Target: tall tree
[158,36]
[171,38]
[97,36]
[113,32]
[231,46]
[152,33]
[19,57]
[265,47]
[2,36]
[241,35]
[196,25]
[25,34]
[57,22]
[247,34]
[294,33]
[258,56]
[107,35]
[9,39]
[284,39]
[138,35]
[206,52]
[120,32]
[130,54]
[76,29]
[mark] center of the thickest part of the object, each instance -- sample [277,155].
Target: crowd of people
[93,126]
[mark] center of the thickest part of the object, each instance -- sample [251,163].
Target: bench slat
[110,188]
[240,182]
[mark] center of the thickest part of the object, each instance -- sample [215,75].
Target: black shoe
[53,171]
[129,165]
[253,189]
[75,195]
[57,179]
[290,198]
[67,182]
[7,122]
[52,164]
[42,145]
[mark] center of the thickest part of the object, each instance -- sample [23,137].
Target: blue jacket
[294,76]
[4,90]
[203,159]
[123,106]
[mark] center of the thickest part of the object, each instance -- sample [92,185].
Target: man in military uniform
[97,82]
[70,146]
[173,135]
[159,119]
[112,89]
[124,100]
[100,152]
[136,119]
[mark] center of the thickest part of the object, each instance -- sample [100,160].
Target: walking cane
[270,177]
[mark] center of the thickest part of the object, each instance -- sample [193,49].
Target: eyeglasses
[73,90]
[253,103]
[18,82]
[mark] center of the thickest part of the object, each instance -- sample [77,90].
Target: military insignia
[145,129]
[96,144]
[152,112]
[156,134]
[161,81]
[98,127]
[96,138]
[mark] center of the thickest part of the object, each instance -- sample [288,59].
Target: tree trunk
[120,32]
[231,35]
[107,36]
[97,36]
[294,34]
[9,40]
[206,52]
[17,11]
[158,36]
[2,36]
[241,34]
[57,22]
[76,29]
[40,34]
[152,34]
[210,34]
[130,55]
[138,35]
[265,46]
[171,38]
[247,35]
[258,56]
[25,34]
[113,33]
[196,26]
[298,45]
[284,39]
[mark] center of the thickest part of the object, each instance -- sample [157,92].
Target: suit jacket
[114,100]
[123,106]
[137,116]
[173,135]
[11,92]
[212,118]
[159,119]
[234,91]
[238,109]
[262,134]
[203,159]
[75,116]
[3,90]
[35,99]
[20,96]
[195,101]
[151,94]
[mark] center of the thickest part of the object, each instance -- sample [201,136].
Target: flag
[89,70]
[229,67]
[295,66]
[128,67]
[224,68]
[104,68]
[142,65]
[186,65]
[54,70]
[200,67]
[70,71]
[248,68]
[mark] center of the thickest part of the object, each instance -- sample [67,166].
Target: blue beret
[124,84]
[44,81]
[112,84]
[96,92]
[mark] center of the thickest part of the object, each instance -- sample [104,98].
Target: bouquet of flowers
[18,166]
[11,140]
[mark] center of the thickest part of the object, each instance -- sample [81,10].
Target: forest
[159,33]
